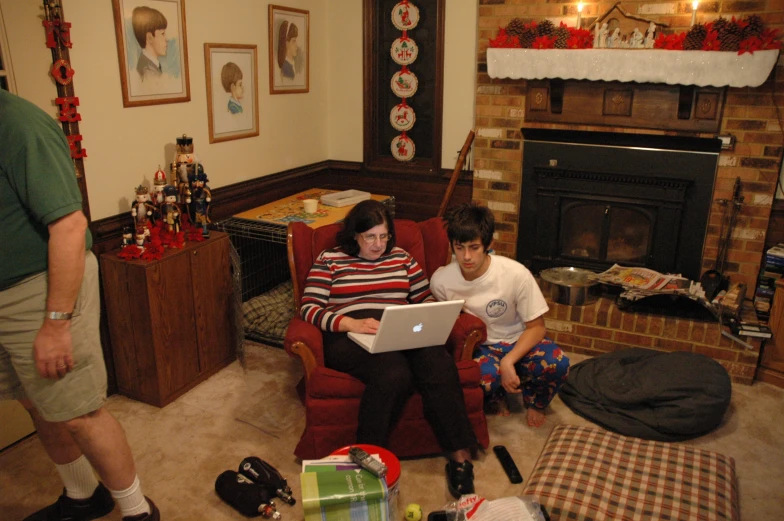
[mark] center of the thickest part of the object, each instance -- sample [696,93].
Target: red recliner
[332,398]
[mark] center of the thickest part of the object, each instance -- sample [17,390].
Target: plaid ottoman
[585,474]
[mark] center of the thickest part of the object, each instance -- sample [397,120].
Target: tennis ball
[413,512]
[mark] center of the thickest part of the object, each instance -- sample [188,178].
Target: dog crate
[267,296]
[262,251]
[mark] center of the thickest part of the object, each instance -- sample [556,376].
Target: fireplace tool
[713,281]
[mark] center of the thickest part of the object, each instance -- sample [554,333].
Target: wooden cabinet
[771,368]
[170,320]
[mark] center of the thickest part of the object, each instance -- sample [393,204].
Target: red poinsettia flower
[711,42]
[574,43]
[544,42]
[740,23]
[770,39]
[499,39]
[674,42]
[660,41]
[750,45]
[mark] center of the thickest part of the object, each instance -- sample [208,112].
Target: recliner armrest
[468,332]
[304,340]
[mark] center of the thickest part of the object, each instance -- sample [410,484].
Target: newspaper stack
[643,282]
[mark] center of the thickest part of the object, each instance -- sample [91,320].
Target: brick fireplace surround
[750,114]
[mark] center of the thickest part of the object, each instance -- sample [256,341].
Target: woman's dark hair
[364,216]
[470,221]
[286,32]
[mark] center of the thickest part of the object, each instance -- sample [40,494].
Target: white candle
[579,13]
[694,12]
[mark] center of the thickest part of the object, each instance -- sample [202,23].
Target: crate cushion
[585,474]
[267,316]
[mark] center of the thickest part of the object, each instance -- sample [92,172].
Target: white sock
[78,477]
[131,500]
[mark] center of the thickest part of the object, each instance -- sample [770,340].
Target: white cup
[311,205]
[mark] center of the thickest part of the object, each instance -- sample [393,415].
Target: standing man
[50,350]
[504,294]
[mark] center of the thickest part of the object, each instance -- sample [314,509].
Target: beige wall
[126,145]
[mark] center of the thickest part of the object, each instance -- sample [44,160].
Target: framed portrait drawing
[232,91]
[289,50]
[152,51]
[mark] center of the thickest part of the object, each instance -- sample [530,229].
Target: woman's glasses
[371,238]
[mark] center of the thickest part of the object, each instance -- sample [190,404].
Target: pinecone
[515,27]
[754,27]
[730,36]
[561,37]
[694,38]
[527,38]
[719,25]
[545,28]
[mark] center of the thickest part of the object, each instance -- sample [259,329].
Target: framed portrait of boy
[289,50]
[152,50]
[232,91]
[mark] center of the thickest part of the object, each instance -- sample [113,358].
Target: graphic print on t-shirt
[496,308]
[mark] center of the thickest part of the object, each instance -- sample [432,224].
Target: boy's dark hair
[230,74]
[364,216]
[146,20]
[469,221]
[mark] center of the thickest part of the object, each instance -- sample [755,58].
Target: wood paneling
[631,105]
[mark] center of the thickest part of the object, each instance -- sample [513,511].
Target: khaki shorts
[22,308]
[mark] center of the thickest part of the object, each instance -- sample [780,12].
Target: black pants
[391,378]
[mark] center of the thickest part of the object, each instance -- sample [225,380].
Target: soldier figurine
[199,200]
[170,210]
[142,211]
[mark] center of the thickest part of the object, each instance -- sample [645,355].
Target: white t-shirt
[504,297]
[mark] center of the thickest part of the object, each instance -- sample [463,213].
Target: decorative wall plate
[405,16]
[404,51]
[404,83]
[402,117]
[403,148]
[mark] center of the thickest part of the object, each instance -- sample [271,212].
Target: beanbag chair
[650,394]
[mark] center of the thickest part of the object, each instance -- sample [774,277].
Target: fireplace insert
[593,199]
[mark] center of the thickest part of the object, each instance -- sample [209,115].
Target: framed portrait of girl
[289,50]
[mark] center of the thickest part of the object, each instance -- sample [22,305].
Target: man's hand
[509,379]
[53,350]
[353,325]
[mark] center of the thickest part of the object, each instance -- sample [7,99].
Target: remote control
[367,462]
[508,463]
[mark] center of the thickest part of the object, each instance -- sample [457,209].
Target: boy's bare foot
[535,417]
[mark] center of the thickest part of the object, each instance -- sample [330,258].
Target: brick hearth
[749,114]
[602,328]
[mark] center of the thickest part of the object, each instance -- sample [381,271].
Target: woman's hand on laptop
[353,325]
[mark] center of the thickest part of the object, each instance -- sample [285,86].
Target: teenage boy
[502,292]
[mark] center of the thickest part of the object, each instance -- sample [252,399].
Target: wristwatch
[58,315]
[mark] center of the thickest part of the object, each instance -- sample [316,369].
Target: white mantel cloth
[703,68]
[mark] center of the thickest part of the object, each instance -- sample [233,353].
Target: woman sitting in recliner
[347,290]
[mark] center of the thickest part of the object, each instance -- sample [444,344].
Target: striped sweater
[339,283]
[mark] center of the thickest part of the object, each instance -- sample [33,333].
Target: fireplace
[592,199]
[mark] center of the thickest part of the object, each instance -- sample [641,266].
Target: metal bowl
[569,286]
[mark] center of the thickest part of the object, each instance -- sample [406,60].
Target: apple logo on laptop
[418,328]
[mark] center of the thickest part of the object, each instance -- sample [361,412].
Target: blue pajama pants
[542,371]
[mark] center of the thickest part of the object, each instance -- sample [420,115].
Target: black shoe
[68,509]
[154,515]
[460,478]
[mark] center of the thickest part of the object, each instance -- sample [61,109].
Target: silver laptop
[411,326]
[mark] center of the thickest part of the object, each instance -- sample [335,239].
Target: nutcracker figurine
[142,211]
[127,236]
[170,210]
[184,165]
[159,181]
[199,200]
